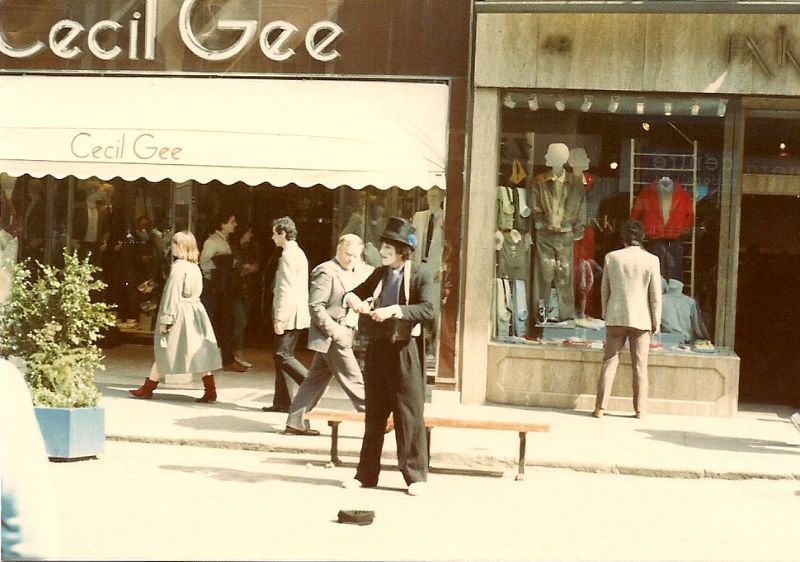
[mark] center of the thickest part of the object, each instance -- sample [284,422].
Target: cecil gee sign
[108,39]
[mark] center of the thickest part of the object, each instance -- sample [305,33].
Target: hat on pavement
[356,516]
[400,230]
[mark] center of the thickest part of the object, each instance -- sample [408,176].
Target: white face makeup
[389,255]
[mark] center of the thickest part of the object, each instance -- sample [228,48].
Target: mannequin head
[665,184]
[7,183]
[556,156]
[578,160]
[434,196]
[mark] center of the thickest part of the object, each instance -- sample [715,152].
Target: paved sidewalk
[759,442]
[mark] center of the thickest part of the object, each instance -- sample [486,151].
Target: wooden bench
[335,417]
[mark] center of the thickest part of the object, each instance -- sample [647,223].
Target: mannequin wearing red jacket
[665,209]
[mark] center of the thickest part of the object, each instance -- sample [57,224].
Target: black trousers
[220,312]
[394,383]
[286,365]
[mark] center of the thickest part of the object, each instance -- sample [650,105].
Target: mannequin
[91,221]
[584,265]
[559,218]
[429,225]
[429,230]
[10,220]
[680,313]
[665,209]
[32,227]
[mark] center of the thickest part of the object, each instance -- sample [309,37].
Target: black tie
[428,237]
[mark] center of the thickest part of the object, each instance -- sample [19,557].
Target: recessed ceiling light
[509,102]
[533,102]
[587,103]
[613,104]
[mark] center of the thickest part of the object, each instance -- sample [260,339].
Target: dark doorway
[768,307]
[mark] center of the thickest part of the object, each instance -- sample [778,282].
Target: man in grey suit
[631,299]
[331,333]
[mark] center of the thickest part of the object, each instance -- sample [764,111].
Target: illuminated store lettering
[66,37]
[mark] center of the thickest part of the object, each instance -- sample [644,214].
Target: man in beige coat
[631,299]
[290,313]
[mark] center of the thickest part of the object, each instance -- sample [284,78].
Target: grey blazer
[631,289]
[329,284]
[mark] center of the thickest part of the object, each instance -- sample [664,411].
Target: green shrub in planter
[52,324]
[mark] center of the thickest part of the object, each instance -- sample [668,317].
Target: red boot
[146,390]
[210,394]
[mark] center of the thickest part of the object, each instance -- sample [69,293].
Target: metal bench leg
[428,440]
[521,468]
[335,460]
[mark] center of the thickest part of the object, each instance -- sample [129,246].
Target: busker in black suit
[393,302]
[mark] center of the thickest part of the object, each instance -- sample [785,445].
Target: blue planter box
[72,433]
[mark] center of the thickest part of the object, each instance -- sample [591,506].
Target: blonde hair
[350,240]
[184,246]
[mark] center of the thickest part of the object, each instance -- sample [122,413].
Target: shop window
[126,226]
[654,158]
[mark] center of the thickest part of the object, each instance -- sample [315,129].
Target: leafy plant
[53,325]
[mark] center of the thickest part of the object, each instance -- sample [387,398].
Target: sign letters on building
[66,37]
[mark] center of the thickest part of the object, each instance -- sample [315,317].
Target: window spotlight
[667,108]
[722,107]
[613,165]
[560,105]
[782,146]
[533,102]
[587,103]
[646,125]
[639,107]
[613,104]
[695,107]
[509,102]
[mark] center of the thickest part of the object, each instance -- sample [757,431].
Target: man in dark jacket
[394,301]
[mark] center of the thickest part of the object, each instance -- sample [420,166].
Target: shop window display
[125,226]
[570,173]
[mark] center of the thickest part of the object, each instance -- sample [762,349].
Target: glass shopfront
[274,109]
[573,167]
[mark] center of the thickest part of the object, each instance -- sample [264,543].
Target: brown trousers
[639,344]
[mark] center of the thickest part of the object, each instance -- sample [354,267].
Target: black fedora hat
[400,230]
[356,516]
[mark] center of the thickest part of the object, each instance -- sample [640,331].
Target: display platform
[564,374]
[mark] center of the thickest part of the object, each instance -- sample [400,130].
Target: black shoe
[274,408]
[294,431]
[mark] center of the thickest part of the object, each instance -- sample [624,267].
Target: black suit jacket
[422,295]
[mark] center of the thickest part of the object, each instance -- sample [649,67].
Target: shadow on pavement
[233,475]
[228,423]
[721,442]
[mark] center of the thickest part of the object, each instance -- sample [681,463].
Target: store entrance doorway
[767,308]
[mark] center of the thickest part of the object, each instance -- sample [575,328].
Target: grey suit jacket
[329,283]
[631,289]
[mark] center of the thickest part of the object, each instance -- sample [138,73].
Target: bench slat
[436,421]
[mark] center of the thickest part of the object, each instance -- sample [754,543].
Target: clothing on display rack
[665,209]
[680,313]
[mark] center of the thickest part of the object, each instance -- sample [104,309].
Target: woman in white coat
[185,341]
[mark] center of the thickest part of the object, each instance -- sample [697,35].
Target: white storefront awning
[307,132]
